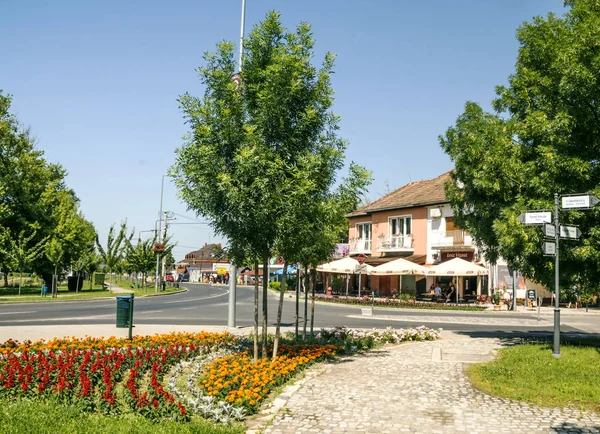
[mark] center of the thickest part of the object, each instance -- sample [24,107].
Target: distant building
[206,260]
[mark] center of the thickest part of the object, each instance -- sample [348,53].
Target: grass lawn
[530,373]
[28,416]
[33,293]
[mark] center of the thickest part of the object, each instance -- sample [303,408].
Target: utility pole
[233,271]
[162,186]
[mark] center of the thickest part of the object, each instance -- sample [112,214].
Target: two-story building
[414,222]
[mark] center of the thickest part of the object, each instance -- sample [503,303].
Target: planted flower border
[173,376]
[394,303]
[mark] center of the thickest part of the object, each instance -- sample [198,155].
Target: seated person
[437,292]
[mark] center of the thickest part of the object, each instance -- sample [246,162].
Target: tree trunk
[313,284]
[5,277]
[282,289]
[20,280]
[55,282]
[255,311]
[297,301]
[77,286]
[265,305]
[305,312]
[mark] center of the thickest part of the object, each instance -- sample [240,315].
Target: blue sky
[97,82]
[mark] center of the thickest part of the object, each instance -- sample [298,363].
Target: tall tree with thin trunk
[255,147]
[114,249]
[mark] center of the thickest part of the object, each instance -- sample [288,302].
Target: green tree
[254,149]
[32,193]
[111,256]
[72,235]
[543,138]
[22,252]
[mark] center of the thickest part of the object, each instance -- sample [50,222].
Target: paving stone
[416,387]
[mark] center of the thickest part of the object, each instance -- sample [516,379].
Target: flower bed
[107,375]
[390,302]
[210,374]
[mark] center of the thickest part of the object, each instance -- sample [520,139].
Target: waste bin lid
[123,298]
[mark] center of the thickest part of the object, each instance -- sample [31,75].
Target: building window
[363,237]
[450,224]
[400,226]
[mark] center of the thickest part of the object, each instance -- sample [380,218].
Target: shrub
[275,285]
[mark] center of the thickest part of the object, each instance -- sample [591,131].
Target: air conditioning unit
[435,213]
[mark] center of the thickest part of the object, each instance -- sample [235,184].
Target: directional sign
[361,258]
[549,230]
[580,201]
[535,217]
[570,232]
[549,248]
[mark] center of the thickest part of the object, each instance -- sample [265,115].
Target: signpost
[570,232]
[554,231]
[359,269]
[549,230]
[535,217]
[549,248]
[579,201]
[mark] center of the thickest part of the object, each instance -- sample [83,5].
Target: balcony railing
[360,246]
[456,238]
[396,243]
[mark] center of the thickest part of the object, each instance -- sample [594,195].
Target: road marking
[196,299]
[150,311]
[189,308]
[15,313]
[57,319]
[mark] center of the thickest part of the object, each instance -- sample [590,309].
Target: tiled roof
[418,193]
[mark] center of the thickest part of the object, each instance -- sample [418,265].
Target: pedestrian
[44,290]
[450,293]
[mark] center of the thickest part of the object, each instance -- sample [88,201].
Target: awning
[344,266]
[456,267]
[398,267]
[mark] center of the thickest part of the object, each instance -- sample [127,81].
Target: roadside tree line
[42,229]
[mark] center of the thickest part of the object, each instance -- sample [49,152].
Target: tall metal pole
[556,347]
[514,289]
[233,270]
[240,62]
[162,186]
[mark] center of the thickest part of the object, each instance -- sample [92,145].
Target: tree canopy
[543,138]
[261,158]
[35,201]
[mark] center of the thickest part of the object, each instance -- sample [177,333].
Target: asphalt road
[208,305]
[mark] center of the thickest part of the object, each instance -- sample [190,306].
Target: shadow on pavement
[567,427]
[579,338]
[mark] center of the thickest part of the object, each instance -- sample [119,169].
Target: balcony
[454,239]
[360,246]
[396,243]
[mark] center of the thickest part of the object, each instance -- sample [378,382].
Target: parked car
[169,277]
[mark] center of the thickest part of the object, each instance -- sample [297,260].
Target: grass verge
[26,416]
[530,373]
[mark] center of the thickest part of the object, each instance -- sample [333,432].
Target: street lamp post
[162,186]
[233,270]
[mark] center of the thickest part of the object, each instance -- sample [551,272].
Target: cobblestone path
[418,388]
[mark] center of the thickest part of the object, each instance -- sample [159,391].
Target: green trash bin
[124,307]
